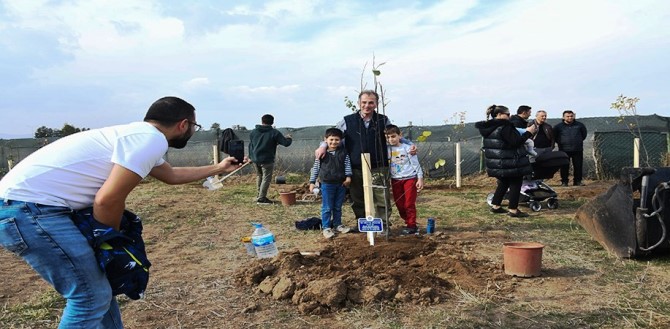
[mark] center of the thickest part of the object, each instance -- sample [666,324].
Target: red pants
[404,195]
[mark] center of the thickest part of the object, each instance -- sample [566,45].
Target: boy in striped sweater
[334,172]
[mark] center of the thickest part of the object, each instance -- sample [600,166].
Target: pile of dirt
[405,269]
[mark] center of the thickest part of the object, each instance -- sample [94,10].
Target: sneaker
[498,211]
[264,200]
[343,229]
[328,233]
[408,230]
[517,214]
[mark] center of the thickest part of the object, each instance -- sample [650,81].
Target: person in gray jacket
[262,151]
[570,135]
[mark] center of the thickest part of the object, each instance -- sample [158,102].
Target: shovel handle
[233,172]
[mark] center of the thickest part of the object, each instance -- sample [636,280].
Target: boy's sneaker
[328,233]
[408,230]
[264,200]
[343,229]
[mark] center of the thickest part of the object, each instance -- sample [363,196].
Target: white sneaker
[343,229]
[328,233]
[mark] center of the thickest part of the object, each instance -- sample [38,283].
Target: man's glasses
[196,125]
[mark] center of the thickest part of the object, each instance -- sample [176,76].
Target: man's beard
[179,143]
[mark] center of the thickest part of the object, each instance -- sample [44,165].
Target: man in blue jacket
[262,151]
[570,135]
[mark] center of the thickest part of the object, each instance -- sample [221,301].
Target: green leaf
[442,162]
[426,133]
[421,138]
[376,72]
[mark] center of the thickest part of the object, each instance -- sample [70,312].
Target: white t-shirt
[71,170]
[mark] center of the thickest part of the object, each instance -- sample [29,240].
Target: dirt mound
[405,269]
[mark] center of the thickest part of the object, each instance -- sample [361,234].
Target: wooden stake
[367,192]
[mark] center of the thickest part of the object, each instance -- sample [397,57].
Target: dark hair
[493,111]
[392,129]
[568,111]
[523,109]
[169,110]
[369,92]
[334,132]
[268,119]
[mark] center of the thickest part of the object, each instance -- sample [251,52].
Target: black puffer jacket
[503,149]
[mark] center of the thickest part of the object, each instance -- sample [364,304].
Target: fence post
[636,152]
[215,157]
[458,164]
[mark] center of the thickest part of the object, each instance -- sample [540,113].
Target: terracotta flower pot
[287,198]
[523,259]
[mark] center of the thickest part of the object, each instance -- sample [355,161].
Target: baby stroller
[533,189]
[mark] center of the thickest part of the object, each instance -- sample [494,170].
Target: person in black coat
[520,119]
[570,135]
[506,157]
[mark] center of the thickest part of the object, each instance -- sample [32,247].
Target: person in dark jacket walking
[506,158]
[262,151]
[544,138]
[570,135]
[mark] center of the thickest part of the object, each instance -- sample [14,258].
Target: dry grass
[193,240]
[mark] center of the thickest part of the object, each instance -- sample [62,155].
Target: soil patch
[405,269]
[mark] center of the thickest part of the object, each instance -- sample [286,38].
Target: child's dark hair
[493,110]
[392,129]
[333,132]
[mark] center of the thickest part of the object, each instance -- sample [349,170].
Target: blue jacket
[120,254]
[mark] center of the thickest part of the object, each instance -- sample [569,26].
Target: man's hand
[419,184]
[288,136]
[229,164]
[320,152]
[311,187]
[347,182]
[412,149]
[532,129]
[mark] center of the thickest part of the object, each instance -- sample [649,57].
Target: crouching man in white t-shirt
[96,168]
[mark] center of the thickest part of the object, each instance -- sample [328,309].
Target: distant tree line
[67,129]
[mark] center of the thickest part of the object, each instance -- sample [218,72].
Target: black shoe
[517,214]
[564,184]
[408,230]
[264,200]
[498,211]
[579,184]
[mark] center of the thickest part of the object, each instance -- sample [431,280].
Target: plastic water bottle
[264,242]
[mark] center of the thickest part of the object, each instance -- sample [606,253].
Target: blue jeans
[332,197]
[45,237]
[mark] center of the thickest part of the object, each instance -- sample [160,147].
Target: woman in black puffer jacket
[505,155]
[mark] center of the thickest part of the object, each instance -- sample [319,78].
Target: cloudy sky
[93,63]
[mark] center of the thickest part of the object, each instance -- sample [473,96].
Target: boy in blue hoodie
[262,151]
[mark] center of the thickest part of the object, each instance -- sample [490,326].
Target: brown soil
[411,269]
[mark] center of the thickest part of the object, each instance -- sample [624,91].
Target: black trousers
[514,186]
[577,159]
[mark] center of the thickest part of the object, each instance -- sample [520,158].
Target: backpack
[227,135]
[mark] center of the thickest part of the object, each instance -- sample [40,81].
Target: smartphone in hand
[236,148]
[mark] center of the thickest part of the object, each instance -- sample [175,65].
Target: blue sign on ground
[370,225]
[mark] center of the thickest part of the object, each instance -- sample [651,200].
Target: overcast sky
[95,63]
